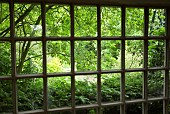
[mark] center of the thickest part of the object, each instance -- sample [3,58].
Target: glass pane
[156,53]
[157,22]
[110,87]
[86,89]
[155,107]
[111,110]
[57,20]
[4,20]
[111,21]
[5,58]
[134,54]
[85,55]
[29,57]
[134,22]
[110,54]
[133,85]
[27,20]
[5,96]
[86,111]
[85,21]
[134,108]
[58,56]
[59,92]
[155,83]
[30,94]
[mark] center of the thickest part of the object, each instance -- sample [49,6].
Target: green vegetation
[29,57]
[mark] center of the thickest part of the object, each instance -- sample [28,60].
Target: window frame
[146,5]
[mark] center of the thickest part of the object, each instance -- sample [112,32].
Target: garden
[29,56]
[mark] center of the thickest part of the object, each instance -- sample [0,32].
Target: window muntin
[93,72]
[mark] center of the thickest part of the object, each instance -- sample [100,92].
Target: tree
[29,53]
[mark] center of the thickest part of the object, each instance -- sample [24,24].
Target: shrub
[59,93]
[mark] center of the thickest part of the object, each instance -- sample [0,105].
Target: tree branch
[47,54]
[18,20]
[23,56]
[25,51]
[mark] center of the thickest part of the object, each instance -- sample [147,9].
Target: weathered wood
[154,3]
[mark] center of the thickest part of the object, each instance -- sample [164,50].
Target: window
[65,58]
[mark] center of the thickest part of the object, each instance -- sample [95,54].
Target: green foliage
[111,21]
[135,20]
[87,51]
[60,50]
[85,21]
[155,83]
[58,20]
[59,92]
[156,51]
[29,56]
[53,65]
[5,60]
[27,18]
[134,54]
[109,54]
[4,20]
[157,22]
[85,92]
[30,95]
[5,96]
[133,85]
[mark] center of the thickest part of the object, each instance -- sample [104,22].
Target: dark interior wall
[156,3]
